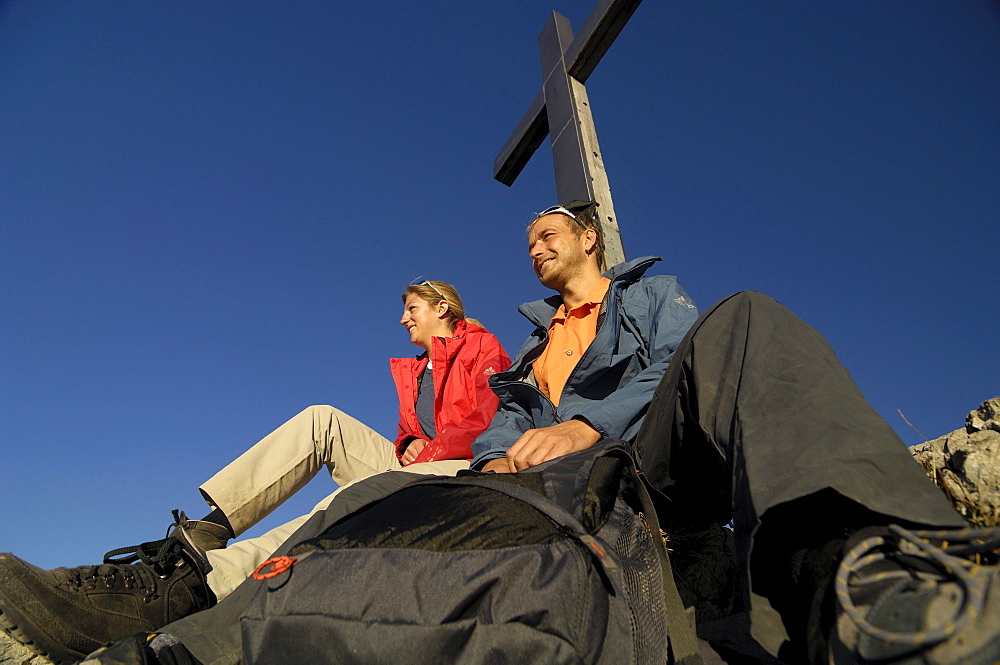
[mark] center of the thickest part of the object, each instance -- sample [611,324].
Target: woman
[444,403]
[444,396]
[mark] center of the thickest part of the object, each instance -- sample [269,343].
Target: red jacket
[464,405]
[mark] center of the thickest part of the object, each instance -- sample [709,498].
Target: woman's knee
[322,411]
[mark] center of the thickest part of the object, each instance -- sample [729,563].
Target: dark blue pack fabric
[563,563]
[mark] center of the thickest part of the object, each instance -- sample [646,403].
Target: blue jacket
[643,319]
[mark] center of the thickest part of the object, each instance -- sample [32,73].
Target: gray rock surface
[966,464]
[12,653]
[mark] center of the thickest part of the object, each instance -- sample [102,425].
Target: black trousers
[756,422]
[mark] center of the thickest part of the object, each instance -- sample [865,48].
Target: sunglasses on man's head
[571,211]
[557,210]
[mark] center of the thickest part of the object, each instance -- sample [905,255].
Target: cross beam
[562,111]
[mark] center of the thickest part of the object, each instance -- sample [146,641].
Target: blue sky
[209,210]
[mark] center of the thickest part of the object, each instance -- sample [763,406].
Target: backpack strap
[680,620]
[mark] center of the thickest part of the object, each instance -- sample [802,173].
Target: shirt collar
[594,298]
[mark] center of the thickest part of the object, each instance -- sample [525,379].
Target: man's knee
[753,298]
[746,303]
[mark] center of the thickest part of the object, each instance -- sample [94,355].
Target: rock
[13,653]
[966,465]
[986,418]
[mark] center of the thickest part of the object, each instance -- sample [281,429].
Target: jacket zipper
[604,322]
[605,304]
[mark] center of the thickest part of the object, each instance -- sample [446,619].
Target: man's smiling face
[557,253]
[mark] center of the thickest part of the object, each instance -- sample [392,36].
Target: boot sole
[11,630]
[30,634]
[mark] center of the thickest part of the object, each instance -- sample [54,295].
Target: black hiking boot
[66,613]
[919,598]
[205,535]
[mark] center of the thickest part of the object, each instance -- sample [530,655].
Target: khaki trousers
[278,466]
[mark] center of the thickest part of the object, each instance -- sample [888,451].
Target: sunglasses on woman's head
[428,283]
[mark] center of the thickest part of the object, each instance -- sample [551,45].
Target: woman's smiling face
[424,321]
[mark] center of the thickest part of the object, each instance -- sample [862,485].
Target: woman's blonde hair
[435,292]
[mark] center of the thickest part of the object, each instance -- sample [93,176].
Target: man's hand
[413,449]
[540,445]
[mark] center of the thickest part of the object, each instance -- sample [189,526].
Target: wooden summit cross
[562,110]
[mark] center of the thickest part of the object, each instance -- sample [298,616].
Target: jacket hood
[540,312]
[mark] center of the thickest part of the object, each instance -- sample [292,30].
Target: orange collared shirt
[570,333]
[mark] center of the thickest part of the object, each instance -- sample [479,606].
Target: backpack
[556,564]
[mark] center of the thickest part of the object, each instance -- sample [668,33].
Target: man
[756,423]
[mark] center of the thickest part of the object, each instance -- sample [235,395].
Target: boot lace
[938,556]
[160,555]
[135,566]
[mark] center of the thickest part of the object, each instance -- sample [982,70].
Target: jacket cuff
[482,459]
[600,428]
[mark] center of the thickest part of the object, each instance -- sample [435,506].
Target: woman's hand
[413,449]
